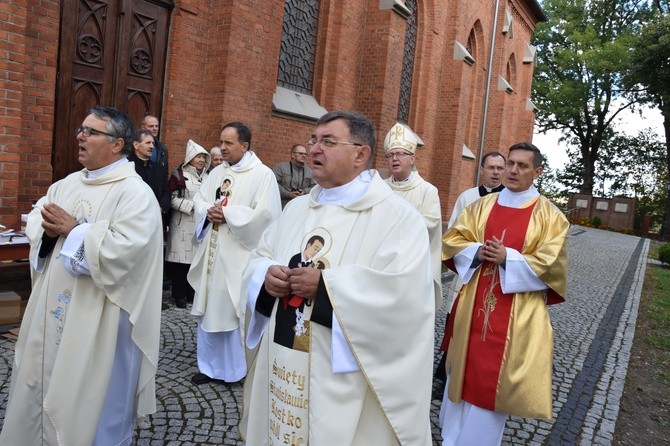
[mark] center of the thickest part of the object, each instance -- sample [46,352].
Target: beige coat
[180,243]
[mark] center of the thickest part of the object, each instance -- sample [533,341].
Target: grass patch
[658,313]
[654,245]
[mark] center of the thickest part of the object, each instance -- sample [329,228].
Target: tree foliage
[649,76]
[633,166]
[650,64]
[583,56]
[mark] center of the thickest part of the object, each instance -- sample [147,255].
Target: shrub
[664,253]
[596,221]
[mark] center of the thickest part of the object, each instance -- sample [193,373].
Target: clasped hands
[282,281]
[56,221]
[215,214]
[296,193]
[492,251]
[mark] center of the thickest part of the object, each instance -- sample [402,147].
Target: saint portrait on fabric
[224,191]
[292,317]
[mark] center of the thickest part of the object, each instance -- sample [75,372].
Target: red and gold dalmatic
[501,345]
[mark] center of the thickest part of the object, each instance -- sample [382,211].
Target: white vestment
[249,194]
[466,198]
[376,275]
[87,352]
[425,198]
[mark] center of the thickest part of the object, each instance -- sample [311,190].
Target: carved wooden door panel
[112,53]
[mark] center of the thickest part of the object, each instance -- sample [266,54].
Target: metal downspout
[488,89]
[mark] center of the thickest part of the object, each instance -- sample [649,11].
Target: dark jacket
[160,156]
[154,176]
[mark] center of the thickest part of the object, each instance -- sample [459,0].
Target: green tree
[630,166]
[583,55]
[547,184]
[650,73]
[635,165]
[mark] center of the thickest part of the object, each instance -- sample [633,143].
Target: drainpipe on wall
[488,89]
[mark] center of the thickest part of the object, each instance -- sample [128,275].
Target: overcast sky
[629,122]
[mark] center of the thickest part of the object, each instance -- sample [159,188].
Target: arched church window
[298,45]
[408,63]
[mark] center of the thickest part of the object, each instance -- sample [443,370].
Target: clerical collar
[517,199]
[411,175]
[347,193]
[93,174]
[244,160]
[483,190]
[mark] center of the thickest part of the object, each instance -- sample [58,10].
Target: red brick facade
[222,64]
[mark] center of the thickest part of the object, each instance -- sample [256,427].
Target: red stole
[492,310]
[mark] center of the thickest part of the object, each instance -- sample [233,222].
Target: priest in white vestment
[509,248]
[87,352]
[491,169]
[340,295]
[400,147]
[235,204]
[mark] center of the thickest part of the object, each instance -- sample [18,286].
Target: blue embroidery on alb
[58,313]
[65,297]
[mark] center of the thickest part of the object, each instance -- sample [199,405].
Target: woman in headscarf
[184,182]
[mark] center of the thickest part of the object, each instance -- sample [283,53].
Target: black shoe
[200,378]
[181,303]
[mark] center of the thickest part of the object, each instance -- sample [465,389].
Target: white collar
[411,175]
[517,199]
[347,193]
[93,174]
[244,160]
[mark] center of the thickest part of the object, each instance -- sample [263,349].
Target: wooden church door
[112,53]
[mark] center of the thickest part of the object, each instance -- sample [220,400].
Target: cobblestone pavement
[593,336]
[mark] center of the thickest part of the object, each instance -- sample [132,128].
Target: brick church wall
[222,63]
[28,54]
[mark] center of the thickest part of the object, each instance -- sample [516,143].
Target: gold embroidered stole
[289,367]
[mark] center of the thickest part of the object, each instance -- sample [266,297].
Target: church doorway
[112,53]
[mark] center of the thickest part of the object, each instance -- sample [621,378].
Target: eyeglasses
[329,143]
[300,153]
[399,155]
[87,131]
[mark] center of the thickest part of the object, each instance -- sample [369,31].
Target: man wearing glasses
[491,170]
[400,147]
[294,177]
[87,352]
[358,369]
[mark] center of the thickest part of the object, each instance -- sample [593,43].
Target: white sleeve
[257,322]
[200,233]
[341,358]
[517,276]
[463,262]
[72,253]
[39,262]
